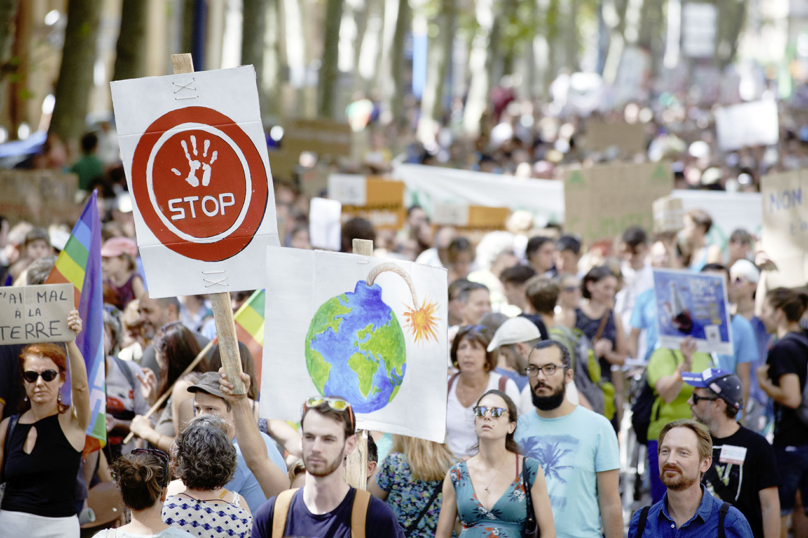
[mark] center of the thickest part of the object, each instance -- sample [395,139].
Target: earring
[25,399]
[59,398]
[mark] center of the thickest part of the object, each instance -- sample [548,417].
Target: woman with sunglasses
[496,492]
[476,375]
[40,459]
[142,477]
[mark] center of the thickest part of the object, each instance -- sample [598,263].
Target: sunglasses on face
[697,399]
[480,411]
[570,289]
[337,404]
[47,375]
[160,455]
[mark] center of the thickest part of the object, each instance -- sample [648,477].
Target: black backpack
[722,514]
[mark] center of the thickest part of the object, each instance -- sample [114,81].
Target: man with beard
[743,471]
[577,450]
[326,505]
[687,508]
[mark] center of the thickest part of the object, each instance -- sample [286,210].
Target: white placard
[325,226]
[30,314]
[328,332]
[195,157]
[348,189]
[746,125]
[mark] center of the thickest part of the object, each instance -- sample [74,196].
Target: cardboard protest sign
[729,211]
[369,330]
[602,201]
[630,138]
[785,227]
[373,198]
[428,185]
[30,314]
[695,305]
[471,221]
[320,136]
[41,197]
[196,162]
[747,124]
[668,215]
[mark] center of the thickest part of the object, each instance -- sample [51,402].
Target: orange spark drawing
[422,321]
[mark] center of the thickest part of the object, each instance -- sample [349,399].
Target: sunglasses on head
[162,456]
[337,404]
[480,411]
[47,375]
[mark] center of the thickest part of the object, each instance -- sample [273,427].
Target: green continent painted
[387,345]
[365,367]
[329,316]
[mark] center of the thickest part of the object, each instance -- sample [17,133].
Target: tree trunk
[480,84]
[8,13]
[571,43]
[361,17]
[130,52]
[253,30]
[440,56]
[403,24]
[329,67]
[552,25]
[272,67]
[76,72]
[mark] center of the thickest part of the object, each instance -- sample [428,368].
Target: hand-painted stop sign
[199,183]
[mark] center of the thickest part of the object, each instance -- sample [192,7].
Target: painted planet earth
[355,349]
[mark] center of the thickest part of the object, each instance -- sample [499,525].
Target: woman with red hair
[40,449]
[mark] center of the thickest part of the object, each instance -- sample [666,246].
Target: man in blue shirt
[687,509]
[208,400]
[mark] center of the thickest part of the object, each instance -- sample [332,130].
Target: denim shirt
[703,523]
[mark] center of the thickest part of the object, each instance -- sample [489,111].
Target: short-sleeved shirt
[663,363]
[244,481]
[703,523]
[380,521]
[743,343]
[787,356]
[741,484]
[571,450]
[762,340]
[460,433]
[644,317]
[407,497]
[207,519]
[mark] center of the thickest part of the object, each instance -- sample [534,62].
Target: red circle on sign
[200,176]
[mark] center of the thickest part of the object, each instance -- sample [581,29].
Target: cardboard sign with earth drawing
[196,162]
[369,330]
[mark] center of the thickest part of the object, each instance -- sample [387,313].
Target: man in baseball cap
[515,339]
[208,400]
[743,471]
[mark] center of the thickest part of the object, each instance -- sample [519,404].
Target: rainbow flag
[80,264]
[250,329]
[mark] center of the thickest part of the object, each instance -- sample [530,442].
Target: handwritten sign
[378,200]
[785,227]
[30,314]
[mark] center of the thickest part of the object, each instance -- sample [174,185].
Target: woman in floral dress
[488,490]
[410,480]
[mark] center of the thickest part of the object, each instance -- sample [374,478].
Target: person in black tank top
[40,450]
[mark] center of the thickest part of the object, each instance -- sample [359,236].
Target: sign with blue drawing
[693,305]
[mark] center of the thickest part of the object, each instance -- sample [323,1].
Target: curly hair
[202,455]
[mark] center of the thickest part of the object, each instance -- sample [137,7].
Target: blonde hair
[703,439]
[429,461]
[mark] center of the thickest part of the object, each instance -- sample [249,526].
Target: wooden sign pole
[356,468]
[220,302]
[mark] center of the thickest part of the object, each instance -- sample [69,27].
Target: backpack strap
[281,511]
[643,519]
[722,514]
[359,513]
[452,380]
[502,382]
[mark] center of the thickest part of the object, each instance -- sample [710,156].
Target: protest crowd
[566,413]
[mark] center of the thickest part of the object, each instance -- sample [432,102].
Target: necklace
[496,474]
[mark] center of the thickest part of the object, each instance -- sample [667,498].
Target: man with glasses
[743,472]
[326,505]
[577,450]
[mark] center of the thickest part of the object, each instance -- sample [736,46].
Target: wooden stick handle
[167,393]
[228,343]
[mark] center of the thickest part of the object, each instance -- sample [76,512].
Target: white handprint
[195,164]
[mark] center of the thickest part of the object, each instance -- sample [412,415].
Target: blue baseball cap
[725,385]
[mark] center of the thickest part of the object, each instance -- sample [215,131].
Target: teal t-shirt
[571,451]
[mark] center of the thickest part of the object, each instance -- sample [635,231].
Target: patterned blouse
[407,496]
[207,519]
[505,519]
